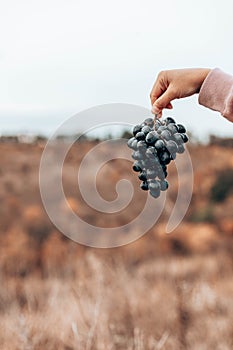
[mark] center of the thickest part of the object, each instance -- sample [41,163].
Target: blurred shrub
[223,185]
[126,134]
[202,215]
[36,223]
[219,141]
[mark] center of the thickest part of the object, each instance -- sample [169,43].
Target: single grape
[130,141]
[184,138]
[181,128]
[151,153]
[134,144]
[172,128]
[161,128]
[166,135]
[140,136]
[169,120]
[162,174]
[159,145]
[155,193]
[171,146]
[152,137]
[149,122]
[142,176]
[146,129]
[181,149]
[178,139]
[165,157]
[153,185]
[137,166]
[137,155]
[158,123]
[144,186]
[164,167]
[173,155]
[142,146]
[164,185]
[136,129]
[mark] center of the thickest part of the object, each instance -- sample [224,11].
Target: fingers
[164,101]
[156,92]
[158,88]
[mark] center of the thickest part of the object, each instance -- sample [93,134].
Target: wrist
[202,76]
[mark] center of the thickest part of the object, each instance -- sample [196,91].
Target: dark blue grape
[146,129]
[181,149]
[165,157]
[151,152]
[142,176]
[178,139]
[144,186]
[166,135]
[184,137]
[136,129]
[161,128]
[137,166]
[153,185]
[169,120]
[134,144]
[164,185]
[151,173]
[172,128]
[164,167]
[142,146]
[130,141]
[155,193]
[152,137]
[171,146]
[137,155]
[149,122]
[173,155]
[181,128]
[158,123]
[140,136]
[159,145]
[162,174]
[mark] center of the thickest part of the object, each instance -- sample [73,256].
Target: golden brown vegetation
[160,292]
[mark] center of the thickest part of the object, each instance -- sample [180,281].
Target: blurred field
[161,292]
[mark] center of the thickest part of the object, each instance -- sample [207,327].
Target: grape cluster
[154,145]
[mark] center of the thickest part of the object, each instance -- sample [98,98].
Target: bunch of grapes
[155,144]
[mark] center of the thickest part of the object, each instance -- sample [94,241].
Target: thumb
[165,99]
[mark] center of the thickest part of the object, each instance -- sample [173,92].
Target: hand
[177,83]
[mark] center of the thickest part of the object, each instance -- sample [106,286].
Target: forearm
[217,93]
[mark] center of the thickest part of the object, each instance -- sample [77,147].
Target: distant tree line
[220,141]
[126,134]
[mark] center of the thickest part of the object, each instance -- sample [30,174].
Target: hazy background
[60,57]
[167,292]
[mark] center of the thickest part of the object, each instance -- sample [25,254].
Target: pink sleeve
[217,93]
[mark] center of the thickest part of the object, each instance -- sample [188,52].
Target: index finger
[156,91]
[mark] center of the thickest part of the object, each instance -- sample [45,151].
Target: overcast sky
[58,57]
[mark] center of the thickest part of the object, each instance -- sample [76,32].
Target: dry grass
[161,292]
[165,303]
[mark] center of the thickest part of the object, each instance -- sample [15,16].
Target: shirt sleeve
[216,93]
